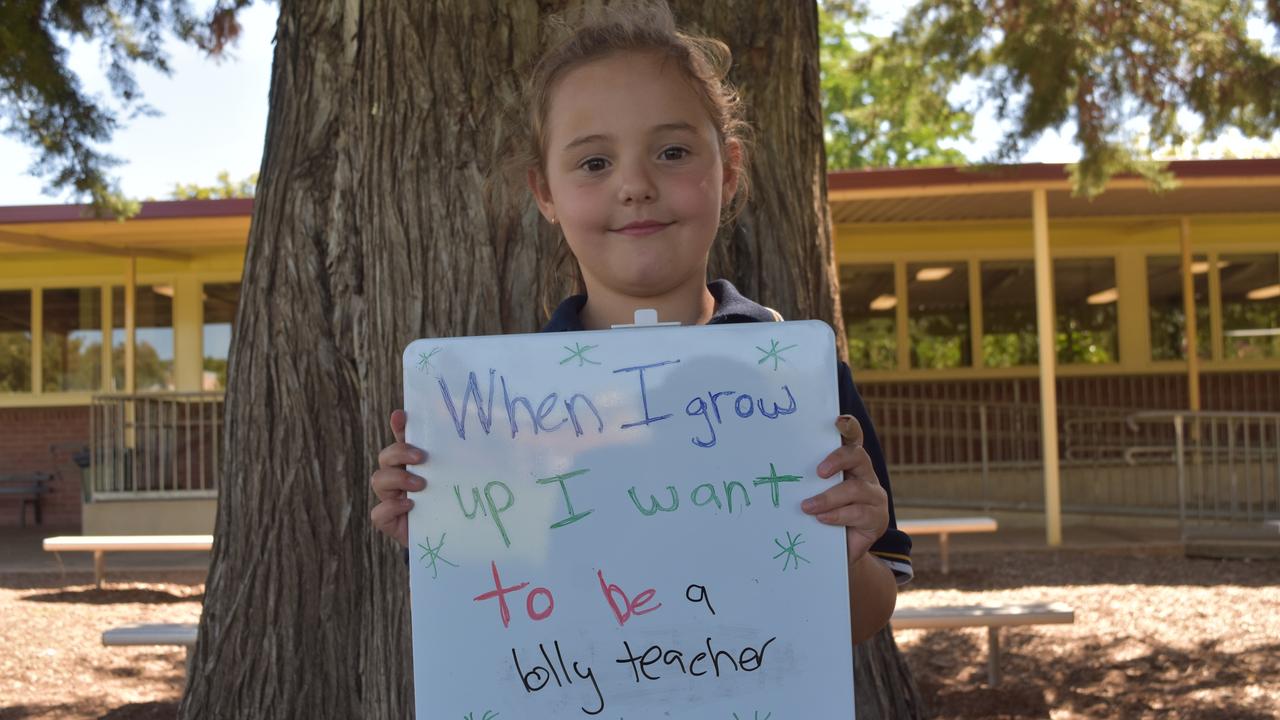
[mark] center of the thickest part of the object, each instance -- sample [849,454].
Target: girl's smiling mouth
[641,227]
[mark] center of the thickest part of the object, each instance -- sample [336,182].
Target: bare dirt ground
[1156,636]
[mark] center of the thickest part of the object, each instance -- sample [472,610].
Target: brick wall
[25,437]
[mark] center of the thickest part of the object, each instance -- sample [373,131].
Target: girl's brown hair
[637,27]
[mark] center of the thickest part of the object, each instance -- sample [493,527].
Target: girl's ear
[732,169]
[541,194]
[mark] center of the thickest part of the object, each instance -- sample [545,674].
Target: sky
[214,117]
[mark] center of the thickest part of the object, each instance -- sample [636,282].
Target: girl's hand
[858,502]
[392,483]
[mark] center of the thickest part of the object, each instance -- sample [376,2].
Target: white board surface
[612,525]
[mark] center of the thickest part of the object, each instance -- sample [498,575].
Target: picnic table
[943,527]
[100,545]
[991,616]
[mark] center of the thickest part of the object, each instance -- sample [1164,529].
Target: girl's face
[635,175]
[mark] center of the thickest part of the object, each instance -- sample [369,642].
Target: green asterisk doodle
[432,554]
[578,352]
[790,551]
[424,360]
[774,352]
[488,715]
[756,715]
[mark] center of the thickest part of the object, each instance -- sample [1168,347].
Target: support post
[130,324]
[1048,368]
[99,567]
[993,655]
[1189,312]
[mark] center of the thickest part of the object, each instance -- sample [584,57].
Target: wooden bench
[943,527]
[182,634]
[30,489]
[992,617]
[100,545]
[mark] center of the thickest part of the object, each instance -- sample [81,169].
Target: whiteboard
[612,525]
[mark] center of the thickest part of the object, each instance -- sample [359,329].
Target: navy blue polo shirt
[894,547]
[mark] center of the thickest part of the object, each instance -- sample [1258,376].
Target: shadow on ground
[132,711]
[143,711]
[1094,680]
[111,596]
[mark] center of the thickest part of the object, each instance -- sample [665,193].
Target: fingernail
[419,483]
[419,456]
[824,470]
[809,505]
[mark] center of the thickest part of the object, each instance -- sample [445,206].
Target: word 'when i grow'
[554,413]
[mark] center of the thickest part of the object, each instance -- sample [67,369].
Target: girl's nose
[637,187]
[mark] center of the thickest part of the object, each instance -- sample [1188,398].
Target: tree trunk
[780,250]
[374,225]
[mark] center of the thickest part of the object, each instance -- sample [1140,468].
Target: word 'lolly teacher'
[612,526]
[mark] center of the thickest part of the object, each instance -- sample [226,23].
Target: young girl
[637,152]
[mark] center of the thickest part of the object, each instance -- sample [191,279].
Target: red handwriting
[630,607]
[501,593]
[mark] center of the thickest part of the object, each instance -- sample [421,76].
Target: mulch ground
[1156,636]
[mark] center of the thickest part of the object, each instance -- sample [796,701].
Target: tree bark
[375,224]
[780,250]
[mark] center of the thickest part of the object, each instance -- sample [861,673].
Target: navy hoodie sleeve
[894,547]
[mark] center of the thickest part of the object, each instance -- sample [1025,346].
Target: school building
[961,289]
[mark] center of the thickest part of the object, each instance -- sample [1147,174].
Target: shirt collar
[731,307]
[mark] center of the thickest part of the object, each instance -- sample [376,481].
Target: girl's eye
[675,153]
[594,164]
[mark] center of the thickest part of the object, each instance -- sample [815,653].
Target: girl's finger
[394,483]
[845,457]
[398,420]
[850,430]
[838,495]
[398,455]
[386,514]
[848,516]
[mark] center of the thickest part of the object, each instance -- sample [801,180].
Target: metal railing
[988,456]
[154,445]
[1227,465]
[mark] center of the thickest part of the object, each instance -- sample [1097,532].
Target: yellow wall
[206,250]
[1129,240]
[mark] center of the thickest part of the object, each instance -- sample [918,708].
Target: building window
[1164,302]
[1009,314]
[153,338]
[71,342]
[1250,305]
[868,302]
[1085,299]
[15,341]
[220,302]
[938,315]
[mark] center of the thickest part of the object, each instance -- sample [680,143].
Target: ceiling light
[165,290]
[1104,297]
[1265,292]
[884,302]
[1200,267]
[933,274]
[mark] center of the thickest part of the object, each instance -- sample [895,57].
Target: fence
[1227,465]
[154,445]
[1113,460]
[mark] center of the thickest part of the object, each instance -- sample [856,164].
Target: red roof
[159,210]
[836,180]
[1032,172]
